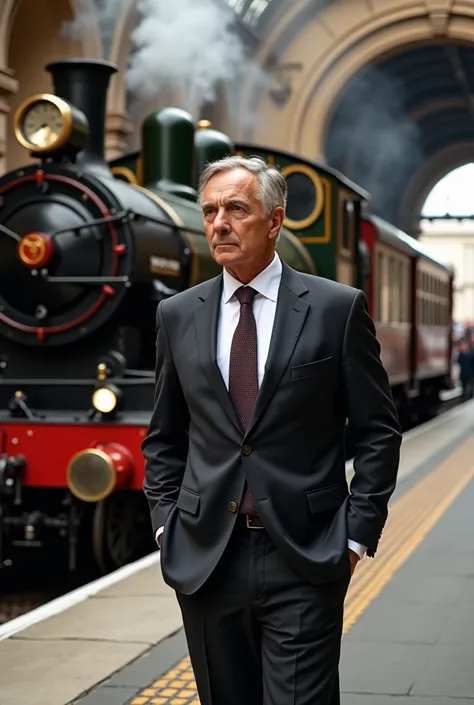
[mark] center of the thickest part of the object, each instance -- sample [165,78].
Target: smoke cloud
[372,140]
[187,46]
[89,14]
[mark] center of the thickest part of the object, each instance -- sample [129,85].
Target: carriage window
[401,291]
[347,226]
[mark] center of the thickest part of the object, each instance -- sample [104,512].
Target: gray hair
[273,187]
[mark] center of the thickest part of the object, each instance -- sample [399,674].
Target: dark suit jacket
[323,366]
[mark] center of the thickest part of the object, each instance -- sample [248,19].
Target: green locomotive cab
[173,155]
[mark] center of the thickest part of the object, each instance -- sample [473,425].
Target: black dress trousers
[259,634]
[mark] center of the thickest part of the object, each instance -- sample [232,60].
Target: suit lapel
[205,323]
[290,315]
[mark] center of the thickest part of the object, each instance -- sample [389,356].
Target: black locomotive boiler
[84,259]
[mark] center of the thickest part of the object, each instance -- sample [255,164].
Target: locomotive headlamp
[45,124]
[94,473]
[105,399]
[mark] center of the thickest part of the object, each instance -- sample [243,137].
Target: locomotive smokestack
[84,83]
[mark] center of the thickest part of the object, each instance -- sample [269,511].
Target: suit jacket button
[246,450]
[233,506]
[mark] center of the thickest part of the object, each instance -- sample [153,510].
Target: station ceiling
[255,14]
[395,114]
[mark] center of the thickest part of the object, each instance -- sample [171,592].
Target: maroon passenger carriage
[410,300]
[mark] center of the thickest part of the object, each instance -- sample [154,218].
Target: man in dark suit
[257,371]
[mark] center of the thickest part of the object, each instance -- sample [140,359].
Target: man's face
[237,230]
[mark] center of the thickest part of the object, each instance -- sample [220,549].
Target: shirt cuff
[356,547]
[158,533]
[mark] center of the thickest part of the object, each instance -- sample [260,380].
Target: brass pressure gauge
[45,124]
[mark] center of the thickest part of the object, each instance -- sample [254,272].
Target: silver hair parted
[273,187]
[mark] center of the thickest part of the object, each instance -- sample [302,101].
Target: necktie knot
[245,294]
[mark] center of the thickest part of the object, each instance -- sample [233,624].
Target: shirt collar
[266,283]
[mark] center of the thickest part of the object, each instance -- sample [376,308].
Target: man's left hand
[354,559]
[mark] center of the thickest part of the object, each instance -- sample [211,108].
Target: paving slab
[78,666]
[415,642]
[147,582]
[128,681]
[88,644]
[102,619]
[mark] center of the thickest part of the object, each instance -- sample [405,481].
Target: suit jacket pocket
[188,500]
[311,369]
[326,498]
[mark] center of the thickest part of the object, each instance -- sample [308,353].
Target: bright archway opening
[447,229]
[453,195]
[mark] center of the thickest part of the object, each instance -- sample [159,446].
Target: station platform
[409,613]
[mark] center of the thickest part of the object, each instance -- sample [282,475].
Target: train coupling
[12,470]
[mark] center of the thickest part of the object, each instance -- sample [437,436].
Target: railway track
[39,580]
[33,583]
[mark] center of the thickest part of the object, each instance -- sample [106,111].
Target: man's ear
[277,219]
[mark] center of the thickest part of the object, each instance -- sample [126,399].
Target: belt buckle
[249,525]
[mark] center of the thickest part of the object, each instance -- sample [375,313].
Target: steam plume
[185,44]
[90,13]
[372,140]
[189,46]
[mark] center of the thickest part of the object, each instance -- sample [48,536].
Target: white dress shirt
[266,284]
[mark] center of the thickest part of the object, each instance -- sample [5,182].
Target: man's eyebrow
[227,201]
[240,201]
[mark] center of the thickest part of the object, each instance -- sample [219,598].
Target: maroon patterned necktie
[243,370]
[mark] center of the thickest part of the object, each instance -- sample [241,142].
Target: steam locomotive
[88,249]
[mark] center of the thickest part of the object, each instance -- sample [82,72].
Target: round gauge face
[42,124]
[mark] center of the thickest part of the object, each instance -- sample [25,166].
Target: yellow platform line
[374,588]
[410,520]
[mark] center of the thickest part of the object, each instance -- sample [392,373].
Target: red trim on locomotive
[105,213]
[48,448]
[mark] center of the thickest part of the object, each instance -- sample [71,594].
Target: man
[256,373]
[464,359]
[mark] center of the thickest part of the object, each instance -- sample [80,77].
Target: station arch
[332,48]
[431,172]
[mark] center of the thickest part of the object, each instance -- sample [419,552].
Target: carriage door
[346,270]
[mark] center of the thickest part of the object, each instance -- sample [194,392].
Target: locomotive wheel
[120,530]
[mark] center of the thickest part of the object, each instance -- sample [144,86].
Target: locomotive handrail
[173,226]
[10,233]
[123,216]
